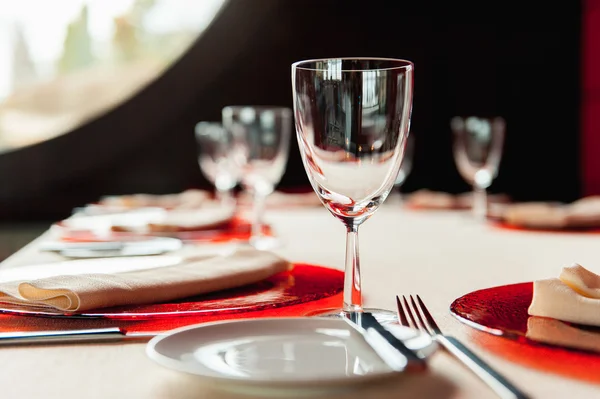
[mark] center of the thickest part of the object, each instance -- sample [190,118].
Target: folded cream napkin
[279,199]
[189,199]
[574,297]
[180,220]
[583,213]
[427,199]
[556,332]
[77,293]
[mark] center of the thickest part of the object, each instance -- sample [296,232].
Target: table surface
[438,255]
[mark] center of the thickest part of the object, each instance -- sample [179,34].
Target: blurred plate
[145,222]
[263,356]
[150,246]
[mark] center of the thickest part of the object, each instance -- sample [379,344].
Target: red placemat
[502,312]
[305,289]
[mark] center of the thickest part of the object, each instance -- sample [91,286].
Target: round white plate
[262,356]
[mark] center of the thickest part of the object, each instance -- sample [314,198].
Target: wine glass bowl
[216,160]
[477,149]
[352,121]
[261,137]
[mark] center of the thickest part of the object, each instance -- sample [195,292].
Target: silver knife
[389,348]
[70,336]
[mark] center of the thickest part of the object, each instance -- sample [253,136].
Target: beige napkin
[194,277]
[427,199]
[583,213]
[556,332]
[189,199]
[180,220]
[279,199]
[574,297]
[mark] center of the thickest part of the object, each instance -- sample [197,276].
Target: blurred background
[101,97]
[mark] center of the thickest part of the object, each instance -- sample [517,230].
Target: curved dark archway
[32,171]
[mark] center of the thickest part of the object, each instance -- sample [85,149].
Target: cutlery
[411,317]
[71,336]
[389,348]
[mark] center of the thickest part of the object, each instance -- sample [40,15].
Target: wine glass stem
[258,212]
[480,202]
[225,196]
[352,282]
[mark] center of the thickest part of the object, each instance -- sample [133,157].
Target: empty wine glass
[216,160]
[261,143]
[477,152]
[352,121]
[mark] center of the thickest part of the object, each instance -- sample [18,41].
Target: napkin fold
[189,199]
[573,297]
[581,214]
[77,293]
[427,199]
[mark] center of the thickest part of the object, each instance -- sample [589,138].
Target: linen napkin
[583,213]
[77,293]
[279,199]
[573,297]
[189,199]
[556,332]
[427,199]
[180,220]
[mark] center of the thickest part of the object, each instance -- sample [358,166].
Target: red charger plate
[301,285]
[502,312]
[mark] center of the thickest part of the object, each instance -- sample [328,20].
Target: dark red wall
[590,105]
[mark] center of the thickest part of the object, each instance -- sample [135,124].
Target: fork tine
[407,310]
[425,326]
[401,314]
[432,324]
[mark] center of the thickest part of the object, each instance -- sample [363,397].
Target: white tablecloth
[439,255]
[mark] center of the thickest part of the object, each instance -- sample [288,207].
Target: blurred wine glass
[477,151]
[216,160]
[261,144]
[352,121]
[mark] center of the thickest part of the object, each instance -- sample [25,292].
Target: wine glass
[216,160]
[352,122]
[261,138]
[477,151]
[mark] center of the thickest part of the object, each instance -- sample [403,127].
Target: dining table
[439,255]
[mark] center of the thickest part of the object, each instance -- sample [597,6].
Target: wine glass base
[383,316]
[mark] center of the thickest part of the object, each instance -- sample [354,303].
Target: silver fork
[417,316]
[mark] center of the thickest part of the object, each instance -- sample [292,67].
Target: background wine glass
[352,121]
[477,152]
[261,138]
[216,159]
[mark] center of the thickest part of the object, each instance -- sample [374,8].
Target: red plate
[498,310]
[303,284]
[502,311]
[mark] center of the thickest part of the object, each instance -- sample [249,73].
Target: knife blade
[389,348]
[70,336]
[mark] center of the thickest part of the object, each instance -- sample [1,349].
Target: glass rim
[403,64]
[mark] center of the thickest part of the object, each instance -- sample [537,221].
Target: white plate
[266,356]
